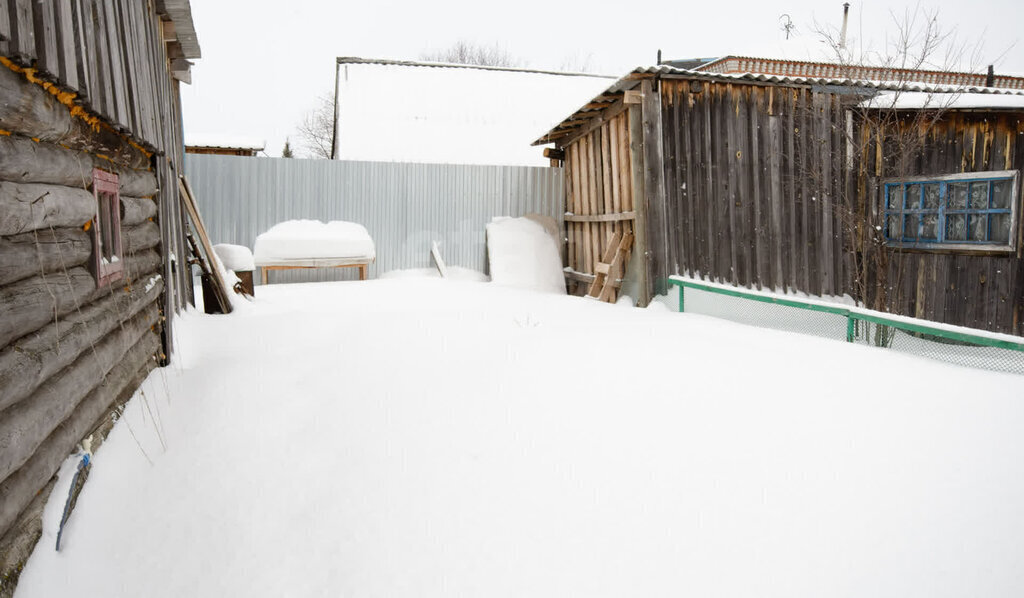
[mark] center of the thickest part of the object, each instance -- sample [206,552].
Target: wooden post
[654,188]
[636,160]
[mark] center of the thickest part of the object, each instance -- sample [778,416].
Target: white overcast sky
[265,61]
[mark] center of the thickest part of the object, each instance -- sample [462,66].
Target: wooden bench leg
[263,274]
[362,271]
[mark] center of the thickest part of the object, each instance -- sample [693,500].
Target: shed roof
[406,111]
[592,109]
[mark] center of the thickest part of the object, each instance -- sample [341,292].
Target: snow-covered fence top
[403,206]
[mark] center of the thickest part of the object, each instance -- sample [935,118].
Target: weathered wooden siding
[83,84]
[753,176]
[599,194]
[979,290]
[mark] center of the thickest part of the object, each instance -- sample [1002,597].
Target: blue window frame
[976,210]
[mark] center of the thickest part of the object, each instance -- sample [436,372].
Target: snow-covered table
[313,244]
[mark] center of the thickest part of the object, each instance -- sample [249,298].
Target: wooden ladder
[608,272]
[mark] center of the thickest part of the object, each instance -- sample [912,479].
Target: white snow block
[235,257]
[522,253]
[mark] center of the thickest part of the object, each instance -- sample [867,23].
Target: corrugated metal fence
[403,206]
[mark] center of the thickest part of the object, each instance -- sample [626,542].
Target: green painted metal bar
[940,332]
[682,302]
[776,300]
[852,316]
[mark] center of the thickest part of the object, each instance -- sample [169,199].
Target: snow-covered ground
[428,437]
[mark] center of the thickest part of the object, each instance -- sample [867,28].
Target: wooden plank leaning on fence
[210,266]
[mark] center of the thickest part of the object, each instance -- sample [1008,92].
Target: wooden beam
[654,187]
[637,181]
[618,217]
[48,250]
[554,153]
[197,222]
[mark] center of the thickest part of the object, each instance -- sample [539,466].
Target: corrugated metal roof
[633,78]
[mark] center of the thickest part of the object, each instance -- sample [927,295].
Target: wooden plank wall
[983,291]
[752,177]
[598,183]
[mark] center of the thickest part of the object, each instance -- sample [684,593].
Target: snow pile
[459,116]
[224,142]
[431,438]
[312,239]
[522,253]
[454,273]
[235,257]
[918,100]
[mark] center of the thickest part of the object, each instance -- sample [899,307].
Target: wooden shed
[828,187]
[90,155]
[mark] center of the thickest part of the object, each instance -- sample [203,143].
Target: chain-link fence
[966,347]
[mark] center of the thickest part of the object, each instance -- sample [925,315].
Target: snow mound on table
[235,257]
[522,253]
[307,239]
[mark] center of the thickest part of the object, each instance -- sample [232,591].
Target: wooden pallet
[608,272]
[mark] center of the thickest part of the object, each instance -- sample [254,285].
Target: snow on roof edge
[429,64]
[663,69]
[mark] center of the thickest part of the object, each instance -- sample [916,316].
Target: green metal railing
[965,348]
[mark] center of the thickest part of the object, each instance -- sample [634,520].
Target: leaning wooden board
[220,286]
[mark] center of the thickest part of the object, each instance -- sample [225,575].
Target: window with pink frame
[107,264]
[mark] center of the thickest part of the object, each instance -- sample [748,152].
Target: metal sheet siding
[404,206]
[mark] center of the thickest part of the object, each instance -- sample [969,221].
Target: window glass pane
[895,223]
[1001,194]
[957,196]
[930,231]
[894,193]
[913,196]
[931,196]
[977,228]
[1000,228]
[910,232]
[956,227]
[979,196]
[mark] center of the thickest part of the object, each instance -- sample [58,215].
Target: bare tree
[465,52]
[317,128]
[885,138]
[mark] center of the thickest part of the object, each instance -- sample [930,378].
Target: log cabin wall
[83,84]
[975,289]
[753,176]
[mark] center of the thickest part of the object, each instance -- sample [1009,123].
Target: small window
[106,228]
[975,210]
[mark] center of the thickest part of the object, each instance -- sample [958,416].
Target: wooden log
[43,251]
[20,487]
[29,304]
[617,217]
[140,237]
[31,111]
[28,362]
[28,206]
[29,161]
[27,423]
[137,210]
